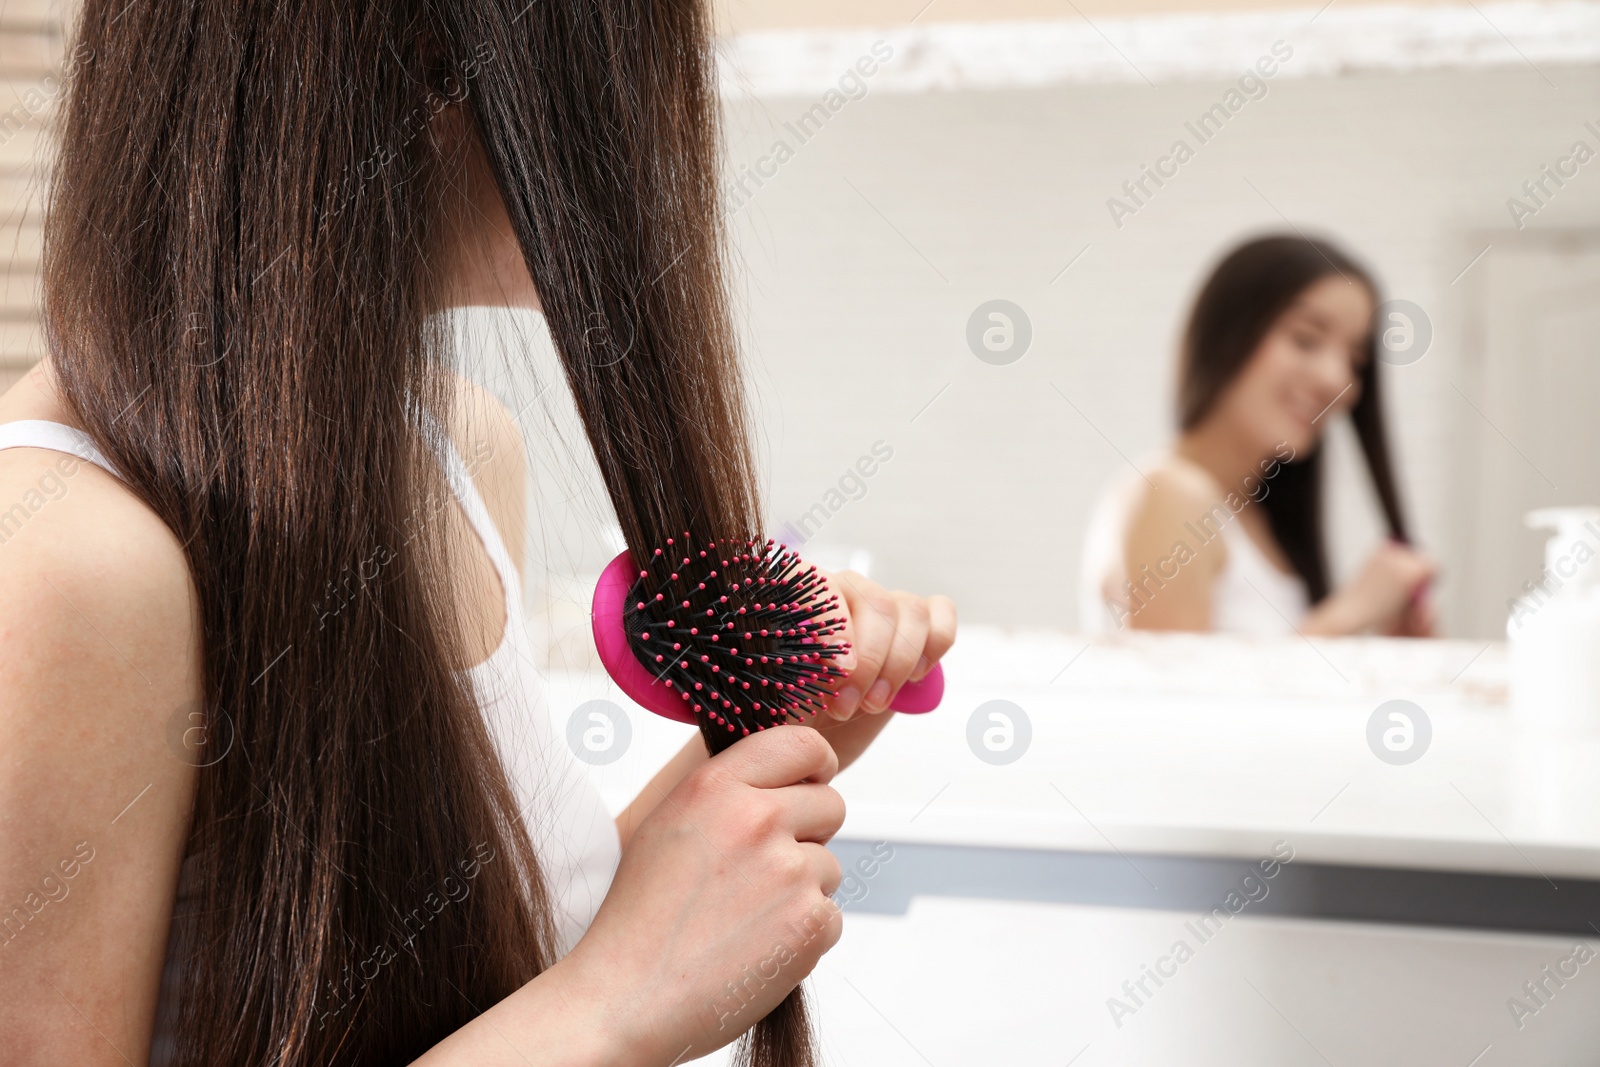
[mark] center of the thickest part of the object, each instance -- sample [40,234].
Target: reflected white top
[1251,597]
[574,835]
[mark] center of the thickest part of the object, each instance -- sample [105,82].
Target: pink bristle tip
[791,606]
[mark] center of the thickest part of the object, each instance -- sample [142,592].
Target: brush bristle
[742,631]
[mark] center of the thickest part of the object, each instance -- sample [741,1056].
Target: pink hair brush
[731,636]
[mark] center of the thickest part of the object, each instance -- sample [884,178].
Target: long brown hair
[1241,299]
[243,216]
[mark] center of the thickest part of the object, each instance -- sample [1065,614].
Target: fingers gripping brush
[732,636]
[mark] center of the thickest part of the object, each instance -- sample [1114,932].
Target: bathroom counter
[1153,769]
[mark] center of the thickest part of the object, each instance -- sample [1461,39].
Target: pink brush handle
[920,696]
[611,597]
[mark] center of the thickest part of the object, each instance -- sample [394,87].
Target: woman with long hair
[278,784]
[1225,530]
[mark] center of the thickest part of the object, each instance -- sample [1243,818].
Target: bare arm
[1385,594]
[98,652]
[1174,557]
[675,770]
[1173,570]
[557,1020]
[731,864]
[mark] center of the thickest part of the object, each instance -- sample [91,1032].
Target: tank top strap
[466,491]
[55,437]
[1214,487]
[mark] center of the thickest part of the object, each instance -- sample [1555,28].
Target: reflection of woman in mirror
[1225,532]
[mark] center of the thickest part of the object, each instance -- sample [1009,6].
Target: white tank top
[575,837]
[1251,596]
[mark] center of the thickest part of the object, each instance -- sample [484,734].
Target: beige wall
[739,16]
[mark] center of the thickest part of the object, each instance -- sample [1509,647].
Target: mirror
[892,184]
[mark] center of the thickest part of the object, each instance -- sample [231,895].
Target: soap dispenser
[1553,631]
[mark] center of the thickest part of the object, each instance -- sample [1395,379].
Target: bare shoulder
[1177,482]
[1176,495]
[486,435]
[67,524]
[98,615]
[99,636]
[99,650]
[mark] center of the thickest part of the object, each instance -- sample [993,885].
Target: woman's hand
[896,637]
[1417,619]
[721,903]
[1386,595]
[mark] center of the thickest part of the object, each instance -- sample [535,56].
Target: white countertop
[1189,745]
